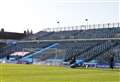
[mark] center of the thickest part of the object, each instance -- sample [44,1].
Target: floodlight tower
[86,24]
[58,22]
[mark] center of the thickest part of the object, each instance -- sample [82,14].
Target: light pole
[86,24]
[58,22]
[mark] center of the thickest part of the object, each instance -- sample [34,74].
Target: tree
[25,32]
[2,30]
[31,32]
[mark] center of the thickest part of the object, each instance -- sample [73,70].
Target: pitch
[38,73]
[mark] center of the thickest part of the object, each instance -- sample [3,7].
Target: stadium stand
[79,42]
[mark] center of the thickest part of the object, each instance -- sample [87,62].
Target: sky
[20,15]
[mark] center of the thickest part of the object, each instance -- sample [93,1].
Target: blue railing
[40,51]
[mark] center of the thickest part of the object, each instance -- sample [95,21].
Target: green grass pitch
[38,73]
